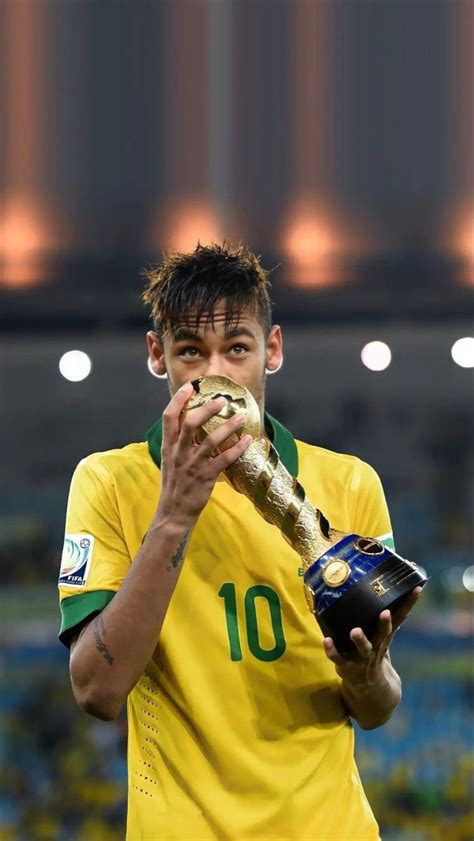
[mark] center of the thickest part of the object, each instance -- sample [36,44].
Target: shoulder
[109,465]
[346,488]
[349,470]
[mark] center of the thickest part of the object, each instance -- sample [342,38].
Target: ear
[274,349]
[156,354]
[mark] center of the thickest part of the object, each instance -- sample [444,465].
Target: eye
[239,350]
[190,352]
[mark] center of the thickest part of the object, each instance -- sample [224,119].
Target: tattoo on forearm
[100,631]
[178,555]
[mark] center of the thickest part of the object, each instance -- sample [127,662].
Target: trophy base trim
[385,587]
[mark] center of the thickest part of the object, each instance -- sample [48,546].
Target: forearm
[113,650]
[372,702]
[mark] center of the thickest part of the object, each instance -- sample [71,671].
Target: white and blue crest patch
[76,559]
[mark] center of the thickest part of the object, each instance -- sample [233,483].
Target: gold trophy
[349,579]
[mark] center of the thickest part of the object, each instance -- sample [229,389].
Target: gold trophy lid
[239,401]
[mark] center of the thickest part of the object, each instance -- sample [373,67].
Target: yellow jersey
[237,728]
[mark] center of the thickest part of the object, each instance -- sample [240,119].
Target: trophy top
[239,401]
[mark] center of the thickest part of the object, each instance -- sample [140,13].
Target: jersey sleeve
[95,558]
[369,510]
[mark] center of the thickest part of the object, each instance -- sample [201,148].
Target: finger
[225,459]
[384,630]
[172,413]
[363,645]
[401,612]
[217,437]
[197,417]
[331,651]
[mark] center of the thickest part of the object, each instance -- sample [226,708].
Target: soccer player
[178,597]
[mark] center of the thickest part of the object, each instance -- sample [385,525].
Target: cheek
[180,373]
[256,383]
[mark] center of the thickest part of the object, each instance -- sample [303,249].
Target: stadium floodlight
[376,356]
[453,578]
[462,352]
[468,578]
[75,365]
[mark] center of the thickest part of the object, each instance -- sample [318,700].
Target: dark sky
[118,113]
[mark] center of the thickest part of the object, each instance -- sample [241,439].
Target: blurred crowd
[419,768]
[63,773]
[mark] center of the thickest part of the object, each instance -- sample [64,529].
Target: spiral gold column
[261,476]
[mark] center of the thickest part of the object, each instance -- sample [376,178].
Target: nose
[216,366]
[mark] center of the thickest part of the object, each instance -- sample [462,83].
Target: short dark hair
[193,283]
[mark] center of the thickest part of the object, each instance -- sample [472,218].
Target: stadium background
[335,138]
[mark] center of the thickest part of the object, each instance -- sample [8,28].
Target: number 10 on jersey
[228,593]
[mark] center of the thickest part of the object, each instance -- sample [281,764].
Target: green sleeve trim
[387,540]
[75,609]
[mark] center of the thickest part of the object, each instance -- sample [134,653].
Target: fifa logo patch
[76,559]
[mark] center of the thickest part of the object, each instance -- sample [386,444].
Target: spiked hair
[193,284]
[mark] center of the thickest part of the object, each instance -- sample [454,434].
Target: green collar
[280,437]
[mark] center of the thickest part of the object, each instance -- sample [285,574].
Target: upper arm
[369,510]
[75,637]
[95,558]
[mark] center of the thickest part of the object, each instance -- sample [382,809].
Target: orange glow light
[186,223]
[464,245]
[310,244]
[465,237]
[24,237]
[458,238]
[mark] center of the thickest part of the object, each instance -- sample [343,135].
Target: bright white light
[468,579]
[453,578]
[463,352]
[75,365]
[376,356]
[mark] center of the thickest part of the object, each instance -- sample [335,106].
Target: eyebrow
[185,334]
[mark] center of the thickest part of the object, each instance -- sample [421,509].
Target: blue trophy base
[353,582]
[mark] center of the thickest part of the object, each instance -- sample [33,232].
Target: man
[177,595]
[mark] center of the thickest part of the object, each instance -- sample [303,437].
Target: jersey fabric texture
[237,729]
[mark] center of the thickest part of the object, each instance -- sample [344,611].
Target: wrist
[364,685]
[382,687]
[172,525]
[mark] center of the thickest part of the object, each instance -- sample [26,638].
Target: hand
[364,667]
[190,470]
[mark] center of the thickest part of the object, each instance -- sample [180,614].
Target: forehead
[220,322]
